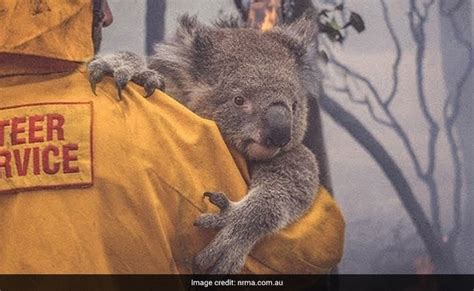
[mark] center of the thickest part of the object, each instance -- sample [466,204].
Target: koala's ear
[229,21]
[301,35]
[188,28]
[193,35]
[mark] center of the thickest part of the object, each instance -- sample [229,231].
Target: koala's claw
[121,76]
[227,252]
[215,221]
[124,67]
[97,69]
[93,87]
[150,80]
[149,92]
[219,199]
[96,74]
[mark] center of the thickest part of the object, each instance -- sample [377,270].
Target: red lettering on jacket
[69,157]
[22,164]
[36,152]
[5,160]
[17,129]
[34,128]
[55,122]
[3,124]
[46,160]
[36,161]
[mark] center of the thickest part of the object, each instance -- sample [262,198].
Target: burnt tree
[440,247]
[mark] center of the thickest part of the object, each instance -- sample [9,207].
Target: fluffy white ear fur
[301,37]
[177,53]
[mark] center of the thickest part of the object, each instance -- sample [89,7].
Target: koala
[255,86]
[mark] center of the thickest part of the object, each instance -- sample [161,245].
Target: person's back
[92,185]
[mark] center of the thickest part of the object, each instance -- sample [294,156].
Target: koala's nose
[277,126]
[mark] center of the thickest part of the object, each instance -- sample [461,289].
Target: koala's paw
[219,220]
[150,80]
[219,199]
[124,67]
[98,68]
[225,255]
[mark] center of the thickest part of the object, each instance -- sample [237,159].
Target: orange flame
[264,14]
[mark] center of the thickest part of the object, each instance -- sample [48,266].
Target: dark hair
[98,11]
[98,15]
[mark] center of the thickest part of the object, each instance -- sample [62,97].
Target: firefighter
[92,185]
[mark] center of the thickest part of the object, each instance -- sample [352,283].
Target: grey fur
[210,70]
[124,67]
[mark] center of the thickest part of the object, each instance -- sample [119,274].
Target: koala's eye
[294,106]
[239,101]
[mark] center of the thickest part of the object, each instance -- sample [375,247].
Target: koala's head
[253,84]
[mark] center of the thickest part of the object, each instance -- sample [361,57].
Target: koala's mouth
[259,151]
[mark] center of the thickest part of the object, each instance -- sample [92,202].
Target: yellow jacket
[92,185]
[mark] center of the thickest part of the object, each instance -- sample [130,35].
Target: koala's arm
[281,191]
[124,67]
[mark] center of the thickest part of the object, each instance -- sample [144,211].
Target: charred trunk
[155,23]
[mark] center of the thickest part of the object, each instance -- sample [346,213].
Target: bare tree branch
[387,111]
[443,258]
[398,54]
[453,9]
[418,15]
[365,102]
[451,113]
[417,21]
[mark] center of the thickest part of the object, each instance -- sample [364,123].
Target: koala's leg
[124,67]
[281,190]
